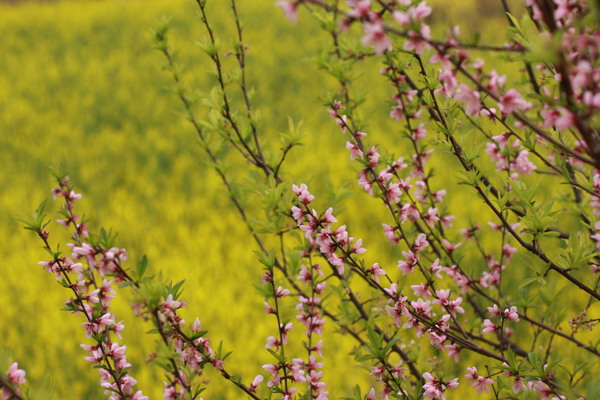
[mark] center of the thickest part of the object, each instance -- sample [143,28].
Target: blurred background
[82,87]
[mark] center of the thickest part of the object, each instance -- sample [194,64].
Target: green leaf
[141,266]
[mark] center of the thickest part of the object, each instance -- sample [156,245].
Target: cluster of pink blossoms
[93,300]
[299,371]
[191,351]
[418,314]
[317,229]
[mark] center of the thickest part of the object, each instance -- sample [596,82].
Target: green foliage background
[82,88]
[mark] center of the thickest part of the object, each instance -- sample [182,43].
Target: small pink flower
[454,351]
[281,292]
[376,271]
[375,35]
[419,12]
[508,251]
[495,311]
[421,290]
[522,165]
[418,42]
[511,314]
[512,101]
[255,382]
[407,266]
[518,385]
[139,396]
[393,193]
[489,326]
[273,342]
[290,9]
[431,217]
[16,375]
[268,308]
[371,394]
[481,383]
[303,194]
[470,98]
[560,118]
[355,150]
[420,243]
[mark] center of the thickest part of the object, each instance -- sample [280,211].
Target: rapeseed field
[82,88]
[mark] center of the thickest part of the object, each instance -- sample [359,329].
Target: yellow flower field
[82,88]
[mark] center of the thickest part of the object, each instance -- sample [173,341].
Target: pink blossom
[449,82]
[419,12]
[431,217]
[403,18]
[449,246]
[297,214]
[377,371]
[393,193]
[139,396]
[508,251]
[409,211]
[418,42]
[371,395]
[375,35]
[421,290]
[422,307]
[290,9]
[328,217]
[512,101]
[359,8]
[318,348]
[419,132]
[559,118]
[272,341]
[502,139]
[454,351]
[481,383]
[522,165]
[436,268]
[297,370]
[420,243]
[434,388]
[355,150]
[15,375]
[392,291]
[511,314]
[489,326]
[407,266]
[518,385]
[469,233]
[564,8]
[390,234]
[365,182]
[470,98]
[494,310]
[496,81]
[397,112]
[376,271]
[373,157]
[303,194]
[342,122]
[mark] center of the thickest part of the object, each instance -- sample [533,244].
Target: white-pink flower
[375,35]
[16,375]
[290,9]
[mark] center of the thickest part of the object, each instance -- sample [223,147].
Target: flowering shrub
[499,302]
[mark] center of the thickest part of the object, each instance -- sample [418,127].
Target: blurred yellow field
[81,87]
